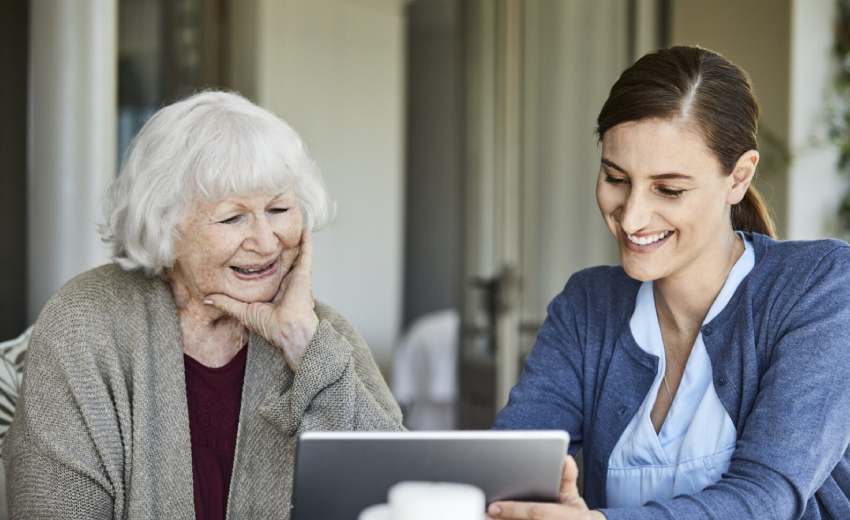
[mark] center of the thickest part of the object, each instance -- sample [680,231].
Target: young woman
[706,378]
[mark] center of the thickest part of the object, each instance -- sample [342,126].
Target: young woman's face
[663,195]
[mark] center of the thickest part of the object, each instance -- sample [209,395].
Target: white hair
[208,146]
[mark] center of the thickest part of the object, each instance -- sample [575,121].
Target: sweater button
[721,381]
[622,411]
[706,331]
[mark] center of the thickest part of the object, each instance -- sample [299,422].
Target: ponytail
[752,215]
[706,89]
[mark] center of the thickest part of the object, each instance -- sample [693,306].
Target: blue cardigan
[780,356]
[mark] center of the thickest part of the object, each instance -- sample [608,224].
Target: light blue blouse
[696,441]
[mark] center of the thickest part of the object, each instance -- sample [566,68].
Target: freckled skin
[264,228]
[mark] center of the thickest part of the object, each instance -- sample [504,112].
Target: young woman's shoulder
[798,262]
[795,281]
[604,290]
[602,281]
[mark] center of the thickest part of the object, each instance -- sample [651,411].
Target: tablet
[337,475]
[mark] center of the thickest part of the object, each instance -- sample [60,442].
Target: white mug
[429,501]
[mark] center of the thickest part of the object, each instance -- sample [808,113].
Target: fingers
[531,511]
[304,262]
[252,315]
[569,482]
[281,290]
[228,305]
[300,279]
[570,507]
[305,259]
[301,269]
[307,246]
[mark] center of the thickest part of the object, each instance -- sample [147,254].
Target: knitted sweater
[101,430]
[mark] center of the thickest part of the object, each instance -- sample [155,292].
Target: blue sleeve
[548,395]
[797,431]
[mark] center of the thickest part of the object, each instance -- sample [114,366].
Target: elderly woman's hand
[570,505]
[289,322]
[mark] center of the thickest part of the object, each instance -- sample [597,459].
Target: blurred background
[455,135]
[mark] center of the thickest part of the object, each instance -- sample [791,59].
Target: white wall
[574,51]
[334,70]
[756,37]
[785,45]
[814,184]
[72,139]
[435,169]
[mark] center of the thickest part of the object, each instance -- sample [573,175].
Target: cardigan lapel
[267,377]
[625,384]
[162,454]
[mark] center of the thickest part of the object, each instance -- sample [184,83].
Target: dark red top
[214,397]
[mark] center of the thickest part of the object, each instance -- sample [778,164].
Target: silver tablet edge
[437,435]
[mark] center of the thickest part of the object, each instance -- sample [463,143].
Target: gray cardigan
[780,357]
[101,430]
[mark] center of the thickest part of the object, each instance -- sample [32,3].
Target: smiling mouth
[647,243]
[647,240]
[251,272]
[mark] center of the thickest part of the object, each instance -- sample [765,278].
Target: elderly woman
[706,378]
[173,384]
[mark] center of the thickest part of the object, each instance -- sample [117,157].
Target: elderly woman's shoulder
[361,353]
[103,294]
[97,318]
[344,327]
[328,313]
[107,285]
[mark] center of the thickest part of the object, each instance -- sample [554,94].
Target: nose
[636,213]
[262,239]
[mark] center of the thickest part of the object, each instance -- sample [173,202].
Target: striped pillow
[12,356]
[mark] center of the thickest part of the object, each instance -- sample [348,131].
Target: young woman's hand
[289,321]
[570,505]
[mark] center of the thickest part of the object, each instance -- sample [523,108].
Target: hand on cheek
[289,322]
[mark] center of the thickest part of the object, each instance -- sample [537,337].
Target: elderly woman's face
[241,246]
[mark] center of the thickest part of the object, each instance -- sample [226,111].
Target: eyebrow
[657,177]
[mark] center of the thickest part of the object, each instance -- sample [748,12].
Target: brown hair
[707,89]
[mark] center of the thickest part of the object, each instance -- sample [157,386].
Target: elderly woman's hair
[208,146]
